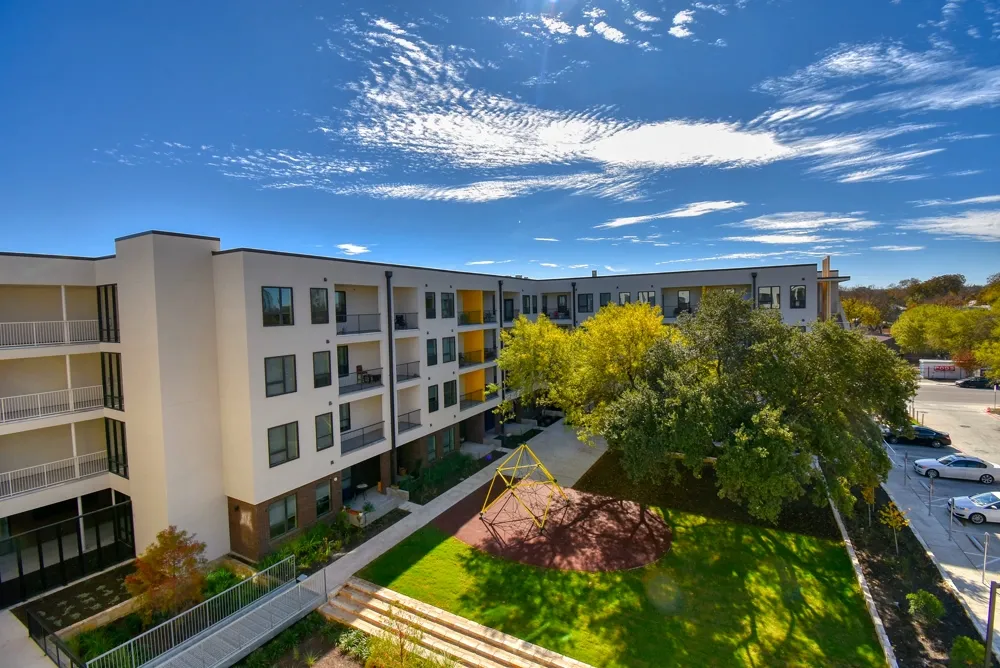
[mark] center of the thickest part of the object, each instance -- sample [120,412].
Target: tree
[535,358]
[764,399]
[894,518]
[937,286]
[868,494]
[169,575]
[864,312]
[933,328]
[988,355]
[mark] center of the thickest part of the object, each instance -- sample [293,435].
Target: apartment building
[245,394]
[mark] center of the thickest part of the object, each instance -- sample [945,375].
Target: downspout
[392,376]
[574,304]
[753,289]
[498,377]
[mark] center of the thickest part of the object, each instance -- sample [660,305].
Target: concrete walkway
[16,648]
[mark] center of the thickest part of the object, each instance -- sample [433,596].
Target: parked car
[921,436]
[974,381]
[962,467]
[977,509]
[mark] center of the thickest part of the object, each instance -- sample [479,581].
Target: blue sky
[542,138]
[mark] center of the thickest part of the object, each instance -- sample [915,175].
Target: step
[506,642]
[445,633]
[348,618]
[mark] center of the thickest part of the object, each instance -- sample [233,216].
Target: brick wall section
[249,527]
[475,428]
[385,470]
[409,453]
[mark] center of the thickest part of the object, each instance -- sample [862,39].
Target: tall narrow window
[450,393]
[448,349]
[322,498]
[545,304]
[282,443]
[340,305]
[447,304]
[319,306]
[277,306]
[508,310]
[321,369]
[114,436]
[684,299]
[343,363]
[526,304]
[432,352]
[798,296]
[432,398]
[585,303]
[111,379]
[769,297]
[281,516]
[279,375]
[448,441]
[432,449]
[107,313]
[647,297]
[624,298]
[430,305]
[345,417]
[324,431]
[534,304]
[605,299]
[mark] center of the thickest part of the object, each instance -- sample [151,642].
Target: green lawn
[728,593]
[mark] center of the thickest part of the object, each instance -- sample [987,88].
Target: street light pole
[987,663]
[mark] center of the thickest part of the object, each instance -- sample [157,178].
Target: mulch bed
[587,532]
[80,600]
[891,578]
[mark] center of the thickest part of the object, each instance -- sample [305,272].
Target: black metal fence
[470,357]
[404,321]
[510,315]
[53,646]
[470,318]
[358,324]
[489,316]
[359,438]
[408,421]
[407,370]
[65,551]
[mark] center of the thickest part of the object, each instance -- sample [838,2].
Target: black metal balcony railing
[402,321]
[470,318]
[407,371]
[408,421]
[362,379]
[470,399]
[557,313]
[511,315]
[489,316]
[490,354]
[674,310]
[358,438]
[359,323]
[490,396]
[470,357]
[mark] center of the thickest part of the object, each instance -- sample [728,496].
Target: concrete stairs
[373,609]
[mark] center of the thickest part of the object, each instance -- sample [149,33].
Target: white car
[977,509]
[962,467]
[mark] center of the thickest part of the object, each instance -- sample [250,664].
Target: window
[534,304]
[340,305]
[769,297]
[798,295]
[432,352]
[324,431]
[322,498]
[526,304]
[508,310]
[345,418]
[447,304]
[319,306]
[448,349]
[450,393]
[277,305]
[281,516]
[585,303]
[114,437]
[279,375]
[683,298]
[432,448]
[343,364]
[283,443]
[605,299]
[624,298]
[111,379]
[545,304]
[432,398]
[647,297]
[430,304]
[448,442]
[321,368]
[107,313]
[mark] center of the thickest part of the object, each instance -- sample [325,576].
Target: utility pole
[987,662]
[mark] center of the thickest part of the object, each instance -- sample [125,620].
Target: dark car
[920,436]
[974,381]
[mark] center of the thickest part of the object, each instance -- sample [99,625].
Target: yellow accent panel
[472,340]
[474,381]
[472,300]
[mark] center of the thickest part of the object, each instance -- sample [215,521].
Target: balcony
[22,481]
[489,316]
[557,313]
[404,321]
[408,421]
[471,399]
[407,371]
[470,318]
[470,358]
[47,333]
[490,396]
[361,379]
[46,404]
[489,354]
[511,315]
[675,310]
[358,323]
[355,439]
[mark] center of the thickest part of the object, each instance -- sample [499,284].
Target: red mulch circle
[587,532]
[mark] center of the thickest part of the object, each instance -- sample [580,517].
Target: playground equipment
[526,480]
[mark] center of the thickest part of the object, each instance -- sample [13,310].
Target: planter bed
[80,600]
[451,470]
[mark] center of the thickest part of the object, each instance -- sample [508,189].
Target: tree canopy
[956,331]
[169,575]
[863,312]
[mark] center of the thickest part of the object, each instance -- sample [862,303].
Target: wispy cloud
[352,249]
[687,211]
[897,249]
[806,221]
[985,199]
[645,17]
[786,254]
[613,270]
[545,239]
[979,225]
[579,266]
[486,262]
[792,238]
[609,33]
[548,264]
[681,21]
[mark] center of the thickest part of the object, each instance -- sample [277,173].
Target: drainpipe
[574,304]
[392,377]
[498,377]
[753,294]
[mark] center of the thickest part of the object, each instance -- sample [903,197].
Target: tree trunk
[869,516]
[896,541]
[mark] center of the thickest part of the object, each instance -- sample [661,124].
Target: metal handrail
[675,309]
[489,316]
[50,642]
[193,622]
[368,435]
[408,370]
[361,379]
[513,315]
[409,421]
[470,318]
[31,478]
[359,323]
[470,357]
[47,333]
[475,397]
[56,402]
[556,313]
[403,321]
[489,354]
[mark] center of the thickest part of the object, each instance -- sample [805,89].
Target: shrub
[369,507]
[219,580]
[169,576]
[966,652]
[316,545]
[355,644]
[440,477]
[925,606]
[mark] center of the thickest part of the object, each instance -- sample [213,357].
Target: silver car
[962,467]
[977,509]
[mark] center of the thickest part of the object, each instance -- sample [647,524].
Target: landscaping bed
[80,600]
[730,591]
[313,642]
[434,481]
[514,440]
[891,578]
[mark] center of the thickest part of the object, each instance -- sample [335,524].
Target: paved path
[16,648]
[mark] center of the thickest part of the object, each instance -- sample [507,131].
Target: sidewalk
[16,648]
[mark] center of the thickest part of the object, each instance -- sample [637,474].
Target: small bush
[355,644]
[925,606]
[315,546]
[219,580]
[966,652]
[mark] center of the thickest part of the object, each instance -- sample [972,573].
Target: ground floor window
[322,498]
[448,444]
[432,449]
[281,516]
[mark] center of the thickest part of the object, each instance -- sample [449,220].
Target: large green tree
[957,331]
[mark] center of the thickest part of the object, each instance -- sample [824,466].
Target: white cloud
[545,239]
[897,249]
[974,224]
[485,262]
[688,211]
[805,221]
[578,266]
[791,254]
[611,34]
[547,264]
[645,17]
[556,26]
[792,238]
[985,199]
[594,13]
[613,270]
[581,31]
[720,9]
[352,249]
[681,20]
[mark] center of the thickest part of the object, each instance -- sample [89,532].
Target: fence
[31,478]
[470,318]
[360,437]
[43,404]
[174,632]
[407,371]
[47,333]
[53,646]
[358,324]
[404,321]
[470,357]
[408,421]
